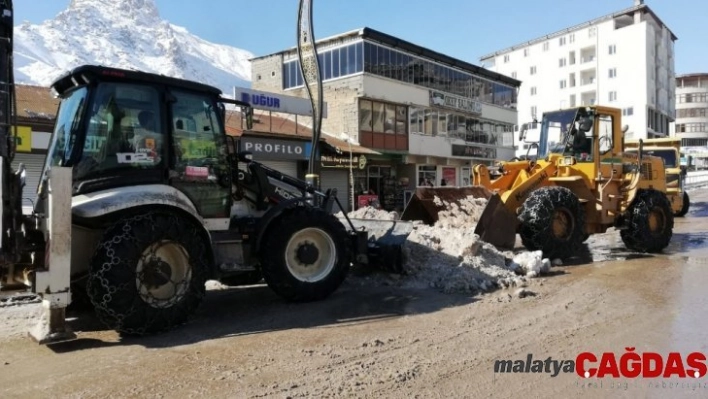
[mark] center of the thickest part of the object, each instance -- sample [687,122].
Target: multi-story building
[430,116]
[623,60]
[692,109]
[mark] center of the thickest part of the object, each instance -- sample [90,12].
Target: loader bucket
[498,224]
[384,241]
[422,205]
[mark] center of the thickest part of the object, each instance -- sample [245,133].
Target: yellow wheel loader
[670,150]
[580,183]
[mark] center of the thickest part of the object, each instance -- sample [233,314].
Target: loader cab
[121,129]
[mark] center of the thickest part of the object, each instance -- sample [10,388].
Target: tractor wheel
[247,278]
[149,273]
[650,222]
[553,221]
[685,206]
[306,256]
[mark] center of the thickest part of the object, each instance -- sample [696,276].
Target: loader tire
[149,273]
[685,206]
[650,222]
[553,221]
[305,255]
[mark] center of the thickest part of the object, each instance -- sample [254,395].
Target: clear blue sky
[465,29]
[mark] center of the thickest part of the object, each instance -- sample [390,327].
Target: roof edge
[578,27]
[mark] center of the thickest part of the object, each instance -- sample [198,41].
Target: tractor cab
[120,128]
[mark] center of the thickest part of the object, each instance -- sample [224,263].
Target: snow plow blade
[422,205]
[498,224]
[379,243]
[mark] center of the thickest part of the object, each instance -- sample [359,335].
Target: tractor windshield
[554,127]
[120,130]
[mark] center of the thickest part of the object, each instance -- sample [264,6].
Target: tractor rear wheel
[305,256]
[650,222]
[149,273]
[553,221]
[684,207]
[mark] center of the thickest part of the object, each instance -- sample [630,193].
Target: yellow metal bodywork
[606,185]
[674,175]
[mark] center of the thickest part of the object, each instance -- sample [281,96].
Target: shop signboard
[275,149]
[473,151]
[23,139]
[458,103]
[277,102]
[342,161]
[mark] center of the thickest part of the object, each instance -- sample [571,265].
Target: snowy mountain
[124,34]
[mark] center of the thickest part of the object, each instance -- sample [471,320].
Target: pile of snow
[448,255]
[369,212]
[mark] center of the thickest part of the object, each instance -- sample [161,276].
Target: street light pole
[351,173]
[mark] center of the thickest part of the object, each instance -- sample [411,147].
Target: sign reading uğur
[275,149]
[340,161]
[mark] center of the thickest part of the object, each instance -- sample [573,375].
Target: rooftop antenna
[311,74]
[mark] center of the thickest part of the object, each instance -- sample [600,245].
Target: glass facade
[393,64]
[435,122]
[336,63]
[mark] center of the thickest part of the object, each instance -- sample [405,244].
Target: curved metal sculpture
[311,74]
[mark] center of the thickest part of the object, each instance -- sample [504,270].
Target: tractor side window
[604,133]
[201,166]
[124,130]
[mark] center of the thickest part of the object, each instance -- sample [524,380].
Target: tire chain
[103,306]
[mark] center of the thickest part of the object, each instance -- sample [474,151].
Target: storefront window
[427,175]
[449,176]
[466,178]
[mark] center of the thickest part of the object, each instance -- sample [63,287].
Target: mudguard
[272,214]
[104,202]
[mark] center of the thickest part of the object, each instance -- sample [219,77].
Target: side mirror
[245,156]
[249,118]
[625,128]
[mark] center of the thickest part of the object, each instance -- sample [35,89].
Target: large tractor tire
[685,206]
[553,221]
[305,255]
[650,222]
[149,273]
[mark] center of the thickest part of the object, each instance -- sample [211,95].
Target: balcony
[587,59]
[478,137]
[587,81]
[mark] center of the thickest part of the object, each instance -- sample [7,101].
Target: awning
[340,146]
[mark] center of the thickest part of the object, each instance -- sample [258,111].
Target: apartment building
[623,60]
[429,117]
[692,109]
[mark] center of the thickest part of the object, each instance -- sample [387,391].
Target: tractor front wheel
[553,221]
[149,273]
[306,256]
[650,222]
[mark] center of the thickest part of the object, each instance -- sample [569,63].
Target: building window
[427,175]
[561,41]
[571,37]
[692,113]
[533,112]
[383,125]
[561,62]
[613,72]
[690,128]
[592,31]
[628,111]
[398,65]
[545,46]
[563,84]
[693,98]
[506,58]
[336,63]
[533,70]
[572,100]
[513,75]
[612,49]
[533,91]
[526,52]
[613,96]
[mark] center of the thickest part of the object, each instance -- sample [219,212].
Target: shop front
[31,151]
[338,171]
